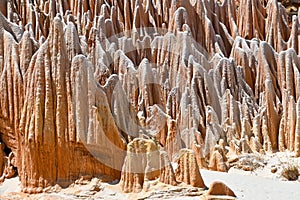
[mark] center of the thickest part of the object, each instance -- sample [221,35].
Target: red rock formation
[82,79]
[218,160]
[187,170]
[145,161]
[53,112]
[219,188]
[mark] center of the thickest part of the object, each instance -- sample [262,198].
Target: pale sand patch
[249,186]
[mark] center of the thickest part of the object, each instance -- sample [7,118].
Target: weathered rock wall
[81,79]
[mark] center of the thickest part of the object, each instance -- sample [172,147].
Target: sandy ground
[250,187]
[10,185]
[11,190]
[259,184]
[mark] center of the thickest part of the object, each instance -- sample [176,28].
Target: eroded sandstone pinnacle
[144,89]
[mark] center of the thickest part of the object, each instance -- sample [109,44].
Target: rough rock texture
[218,160]
[144,162]
[187,170]
[219,188]
[80,80]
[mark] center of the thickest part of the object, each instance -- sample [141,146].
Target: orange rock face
[87,85]
[187,170]
[219,188]
[145,162]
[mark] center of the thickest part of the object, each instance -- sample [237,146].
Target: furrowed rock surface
[153,163]
[220,189]
[62,114]
[187,170]
[83,83]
